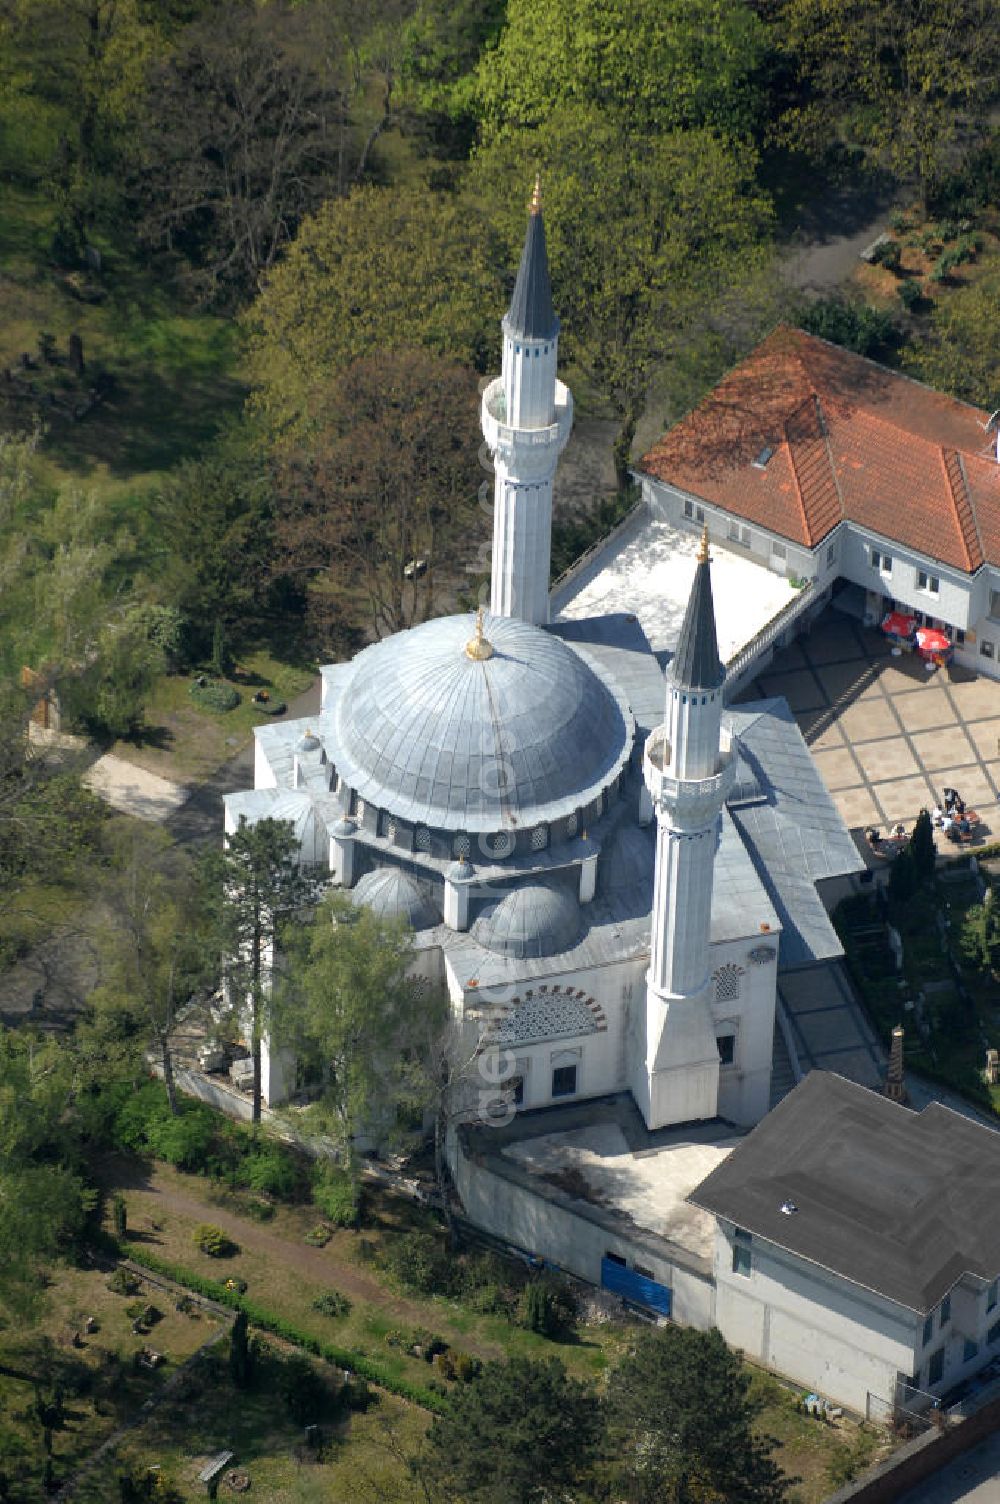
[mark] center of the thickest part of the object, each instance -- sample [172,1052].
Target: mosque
[603,865]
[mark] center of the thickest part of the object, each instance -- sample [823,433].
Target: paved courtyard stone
[857,680]
[857,808]
[986,738]
[868,721]
[799,688]
[904,798]
[978,700]
[890,758]
[947,747]
[838,768]
[918,711]
[821,729]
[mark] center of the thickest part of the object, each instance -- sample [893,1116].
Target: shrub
[421,1263]
[185,1140]
[897,221]
[271,1170]
[548,1306]
[212,694]
[337,1195]
[357,1393]
[856,326]
[122,1282]
[213,1241]
[887,253]
[318,1236]
[332,1303]
[467,1367]
[910,294]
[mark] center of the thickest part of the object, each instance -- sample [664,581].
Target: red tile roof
[851,440]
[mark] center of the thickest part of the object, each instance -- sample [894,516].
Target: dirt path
[317,1264]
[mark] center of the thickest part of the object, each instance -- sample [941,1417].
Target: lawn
[185,742]
[102,1390]
[285,1275]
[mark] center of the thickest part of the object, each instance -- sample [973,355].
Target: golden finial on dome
[479,647]
[704,557]
[536,198]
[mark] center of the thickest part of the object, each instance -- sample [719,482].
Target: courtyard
[886,735]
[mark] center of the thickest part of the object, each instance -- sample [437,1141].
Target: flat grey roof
[899,1202]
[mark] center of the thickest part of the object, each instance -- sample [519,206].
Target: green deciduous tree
[383,269]
[900,80]
[660,64]
[356,1014]
[387,476]
[960,352]
[682,1416]
[521,1432]
[260,886]
[647,236]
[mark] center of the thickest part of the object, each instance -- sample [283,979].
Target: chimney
[894,1088]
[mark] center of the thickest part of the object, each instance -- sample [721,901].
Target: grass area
[176,375]
[185,742]
[286,1276]
[102,1389]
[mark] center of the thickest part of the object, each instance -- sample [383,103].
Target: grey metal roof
[896,1201]
[536,919]
[618,644]
[696,663]
[392,894]
[790,826]
[528,735]
[531,314]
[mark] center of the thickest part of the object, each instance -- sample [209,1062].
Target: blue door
[637,1288]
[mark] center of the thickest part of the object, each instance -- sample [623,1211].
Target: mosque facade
[586,847]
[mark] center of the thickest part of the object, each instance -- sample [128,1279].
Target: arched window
[727,982]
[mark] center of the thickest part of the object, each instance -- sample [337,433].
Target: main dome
[516,731]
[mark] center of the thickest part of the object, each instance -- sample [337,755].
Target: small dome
[461,872]
[308,742]
[392,894]
[629,860]
[533,920]
[345,826]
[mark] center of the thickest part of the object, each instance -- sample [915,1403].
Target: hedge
[267,1321]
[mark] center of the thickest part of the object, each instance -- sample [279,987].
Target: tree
[960,353]
[902,878]
[857,326]
[922,848]
[42,1198]
[647,236]
[355,1013]
[682,1418]
[521,1432]
[660,64]
[247,129]
[900,80]
[442,42]
[387,477]
[260,886]
[383,269]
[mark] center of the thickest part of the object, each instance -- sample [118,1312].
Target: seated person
[937,815]
[950,795]
[964,828]
[947,822]
[953,832]
[873,837]
[899,832]
[958,808]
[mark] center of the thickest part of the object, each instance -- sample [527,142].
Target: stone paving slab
[868,720]
[904,798]
[985,737]
[855,679]
[887,760]
[800,689]
[857,808]
[977,701]
[947,747]
[918,711]
[837,766]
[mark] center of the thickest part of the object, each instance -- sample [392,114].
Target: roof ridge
[968,523]
[807,531]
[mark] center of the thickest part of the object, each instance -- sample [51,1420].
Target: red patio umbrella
[930,640]
[897,624]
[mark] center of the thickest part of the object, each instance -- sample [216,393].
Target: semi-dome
[533,920]
[392,894]
[460,730]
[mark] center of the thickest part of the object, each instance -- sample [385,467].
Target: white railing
[496,429]
[758,645]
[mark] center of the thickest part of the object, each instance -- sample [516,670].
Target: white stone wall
[815,1328]
[764,547]
[745,1086]
[953,603]
[537,1225]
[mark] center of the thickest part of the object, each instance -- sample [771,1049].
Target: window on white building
[970,1350]
[733,532]
[745,537]
[882,562]
[945,1312]
[986,647]
[995,605]
[831,553]
[928,1329]
[928,582]
[564,1081]
[742,1253]
[779,550]
[935,1367]
[727,1048]
[693,512]
[727,982]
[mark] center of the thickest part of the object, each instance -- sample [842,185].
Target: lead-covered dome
[514,732]
[392,894]
[531,921]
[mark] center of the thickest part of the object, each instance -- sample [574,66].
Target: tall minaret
[689,766]
[526,418]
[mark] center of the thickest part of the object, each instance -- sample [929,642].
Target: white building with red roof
[826,466]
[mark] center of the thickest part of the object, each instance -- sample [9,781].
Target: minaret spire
[526,417]
[689,766]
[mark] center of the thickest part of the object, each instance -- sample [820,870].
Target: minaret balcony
[499,434]
[689,801]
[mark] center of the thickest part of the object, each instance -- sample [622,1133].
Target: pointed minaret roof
[531,315]
[696,663]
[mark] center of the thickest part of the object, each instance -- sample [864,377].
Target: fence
[740,664]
